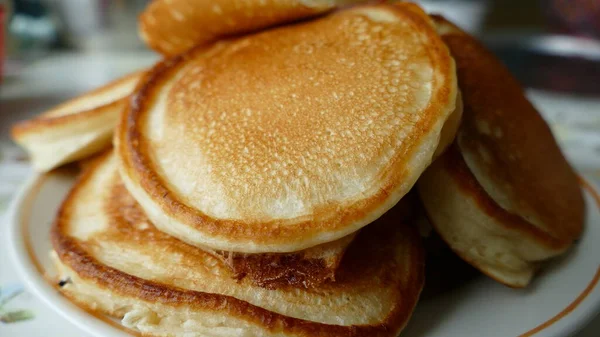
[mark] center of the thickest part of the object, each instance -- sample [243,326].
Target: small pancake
[75,129]
[112,260]
[173,26]
[503,196]
[240,148]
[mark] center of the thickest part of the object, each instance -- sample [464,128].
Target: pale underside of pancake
[504,197]
[75,129]
[174,26]
[112,260]
[292,137]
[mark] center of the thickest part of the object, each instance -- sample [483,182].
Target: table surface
[575,120]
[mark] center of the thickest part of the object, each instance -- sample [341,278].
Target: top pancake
[507,145]
[292,137]
[174,26]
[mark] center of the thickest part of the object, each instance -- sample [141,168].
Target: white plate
[560,301]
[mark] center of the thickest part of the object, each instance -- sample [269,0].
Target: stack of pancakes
[259,181]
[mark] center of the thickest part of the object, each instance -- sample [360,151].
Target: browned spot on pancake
[278,270]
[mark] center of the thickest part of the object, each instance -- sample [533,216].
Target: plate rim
[33,279]
[28,271]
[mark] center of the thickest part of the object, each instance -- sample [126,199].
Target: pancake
[77,128]
[239,148]
[173,26]
[503,197]
[112,260]
[307,268]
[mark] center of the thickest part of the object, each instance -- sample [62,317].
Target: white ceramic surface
[559,302]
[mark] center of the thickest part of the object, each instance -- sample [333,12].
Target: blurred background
[532,36]
[51,50]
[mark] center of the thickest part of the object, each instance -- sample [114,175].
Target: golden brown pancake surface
[290,138]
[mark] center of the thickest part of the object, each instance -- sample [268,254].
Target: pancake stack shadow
[258,181]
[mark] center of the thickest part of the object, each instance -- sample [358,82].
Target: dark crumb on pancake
[64,282]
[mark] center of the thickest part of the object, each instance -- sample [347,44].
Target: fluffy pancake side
[503,197]
[112,260]
[311,143]
[174,26]
[77,128]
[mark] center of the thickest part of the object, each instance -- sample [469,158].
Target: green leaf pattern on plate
[13,171]
[8,293]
